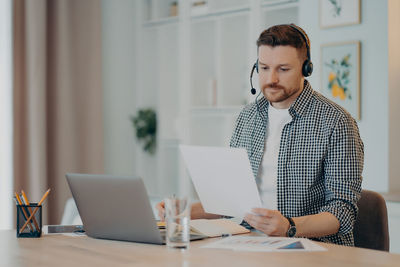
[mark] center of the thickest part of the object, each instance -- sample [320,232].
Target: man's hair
[285,35]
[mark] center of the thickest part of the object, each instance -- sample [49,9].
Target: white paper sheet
[223,179]
[265,244]
[65,228]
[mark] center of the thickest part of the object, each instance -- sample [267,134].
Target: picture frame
[336,13]
[340,75]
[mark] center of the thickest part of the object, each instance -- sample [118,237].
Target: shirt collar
[299,107]
[263,105]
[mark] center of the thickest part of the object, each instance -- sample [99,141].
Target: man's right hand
[196,212]
[161,210]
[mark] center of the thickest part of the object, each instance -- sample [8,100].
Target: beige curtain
[58,126]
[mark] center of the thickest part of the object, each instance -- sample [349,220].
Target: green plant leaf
[145,125]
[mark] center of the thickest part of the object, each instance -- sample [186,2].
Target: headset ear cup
[307,68]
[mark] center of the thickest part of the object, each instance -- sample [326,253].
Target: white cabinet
[193,69]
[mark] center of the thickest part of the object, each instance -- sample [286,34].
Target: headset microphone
[255,67]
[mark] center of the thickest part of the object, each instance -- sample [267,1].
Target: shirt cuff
[344,212]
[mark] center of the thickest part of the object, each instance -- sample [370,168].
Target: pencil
[29,208]
[23,210]
[35,210]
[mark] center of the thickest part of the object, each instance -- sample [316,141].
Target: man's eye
[283,69]
[264,68]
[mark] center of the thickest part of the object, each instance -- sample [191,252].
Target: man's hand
[270,222]
[196,212]
[161,210]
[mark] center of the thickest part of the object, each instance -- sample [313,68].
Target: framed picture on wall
[334,13]
[340,75]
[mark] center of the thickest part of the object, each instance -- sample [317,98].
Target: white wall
[6,205]
[118,41]
[119,81]
[373,35]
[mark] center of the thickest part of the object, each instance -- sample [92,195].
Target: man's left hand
[270,222]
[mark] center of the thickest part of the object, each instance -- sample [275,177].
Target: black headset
[307,67]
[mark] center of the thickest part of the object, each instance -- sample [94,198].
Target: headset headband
[304,38]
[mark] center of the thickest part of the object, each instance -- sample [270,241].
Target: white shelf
[157,10]
[278,3]
[223,12]
[194,70]
[161,22]
[215,111]
[279,15]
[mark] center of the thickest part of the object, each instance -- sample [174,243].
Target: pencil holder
[29,225]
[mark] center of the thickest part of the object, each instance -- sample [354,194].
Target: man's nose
[273,77]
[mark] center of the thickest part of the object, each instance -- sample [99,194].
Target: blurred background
[115,86]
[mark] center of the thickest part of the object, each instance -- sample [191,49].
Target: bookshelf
[194,65]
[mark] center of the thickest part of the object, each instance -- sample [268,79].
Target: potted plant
[145,124]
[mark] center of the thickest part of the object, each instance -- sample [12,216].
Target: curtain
[58,125]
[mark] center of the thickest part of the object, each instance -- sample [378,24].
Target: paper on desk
[265,244]
[223,179]
[74,234]
[63,230]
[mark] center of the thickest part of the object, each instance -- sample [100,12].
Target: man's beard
[278,96]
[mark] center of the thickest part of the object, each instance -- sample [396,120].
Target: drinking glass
[177,217]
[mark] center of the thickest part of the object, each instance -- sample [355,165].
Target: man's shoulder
[329,109]
[248,110]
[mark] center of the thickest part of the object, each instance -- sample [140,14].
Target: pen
[23,211]
[25,198]
[226,235]
[16,203]
[35,210]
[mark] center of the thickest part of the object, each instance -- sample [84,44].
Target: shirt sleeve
[237,130]
[343,168]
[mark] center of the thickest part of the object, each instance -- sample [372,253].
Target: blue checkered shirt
[321,158]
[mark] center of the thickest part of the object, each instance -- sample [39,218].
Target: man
[305,151]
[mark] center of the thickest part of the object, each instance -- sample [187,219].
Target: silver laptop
[116,208]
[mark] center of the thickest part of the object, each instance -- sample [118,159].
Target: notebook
[216,227]
[213,227]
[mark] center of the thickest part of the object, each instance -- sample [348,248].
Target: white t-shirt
[268,171]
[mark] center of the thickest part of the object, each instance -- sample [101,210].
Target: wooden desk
[58,250]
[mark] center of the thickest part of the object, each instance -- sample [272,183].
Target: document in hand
[223,179]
